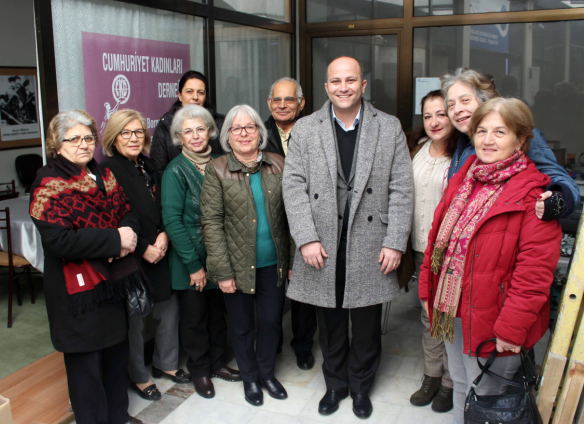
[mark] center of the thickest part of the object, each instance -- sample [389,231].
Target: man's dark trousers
[347,364]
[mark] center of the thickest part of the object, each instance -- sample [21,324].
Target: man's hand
[227,286]
[199,280]
[507,347]
[389,259]
[539,205]
[153,254]
[314,254]
[289,275]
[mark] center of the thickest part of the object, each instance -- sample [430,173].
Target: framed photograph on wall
[19,113]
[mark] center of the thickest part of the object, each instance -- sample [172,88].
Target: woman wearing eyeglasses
[125,140]
[248,245]
[193,89]
[89,233]
[203,328]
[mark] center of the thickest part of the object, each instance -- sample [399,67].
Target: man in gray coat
[348,193]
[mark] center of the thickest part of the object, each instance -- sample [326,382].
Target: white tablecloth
[26,239]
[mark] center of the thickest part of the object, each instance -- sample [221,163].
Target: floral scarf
[456,230]
[253,166]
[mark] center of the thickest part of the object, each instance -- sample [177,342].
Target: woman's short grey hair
[288,79]
[482,85]
[191,112]
[63,122]
[235,112]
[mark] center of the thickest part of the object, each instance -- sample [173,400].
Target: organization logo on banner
[121,91]
[135,73]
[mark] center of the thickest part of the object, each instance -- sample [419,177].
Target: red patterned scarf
[69,197]
[458,227]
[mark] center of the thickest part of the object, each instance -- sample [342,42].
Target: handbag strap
[527,382]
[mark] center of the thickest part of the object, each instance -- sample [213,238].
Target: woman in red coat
[489,263]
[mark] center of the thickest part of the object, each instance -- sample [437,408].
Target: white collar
[341,123]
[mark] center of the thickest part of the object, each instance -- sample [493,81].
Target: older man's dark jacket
[274,140]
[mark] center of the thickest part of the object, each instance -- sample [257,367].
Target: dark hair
[414,137]
[181,84]
[14,78]
[4,96]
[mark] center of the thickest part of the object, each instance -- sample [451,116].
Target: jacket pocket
[383,218]
[504,286]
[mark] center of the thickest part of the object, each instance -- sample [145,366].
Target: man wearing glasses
[286,103]
[347,189]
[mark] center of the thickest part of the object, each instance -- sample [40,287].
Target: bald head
[344,60]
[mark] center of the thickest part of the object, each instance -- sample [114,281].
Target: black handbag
[138,299]
[517,408]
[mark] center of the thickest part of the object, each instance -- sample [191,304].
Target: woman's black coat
[150,212]
[96,328]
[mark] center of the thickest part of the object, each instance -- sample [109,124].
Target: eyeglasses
[189,132]
[77,140]
[287,100]
[127,134]
[249,129]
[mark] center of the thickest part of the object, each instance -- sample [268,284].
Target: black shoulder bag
[519,408]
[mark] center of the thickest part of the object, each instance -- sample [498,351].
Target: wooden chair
[12,262]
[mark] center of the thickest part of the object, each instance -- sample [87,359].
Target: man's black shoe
[274,388]
[305,361]
[253,393]
[362,406]
[330,401]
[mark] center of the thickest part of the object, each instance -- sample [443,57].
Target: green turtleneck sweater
[265,249]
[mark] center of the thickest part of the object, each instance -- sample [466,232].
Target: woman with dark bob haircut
[489,263]
[89,234]
[193,88]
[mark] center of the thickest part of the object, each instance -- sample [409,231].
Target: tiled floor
[399,376]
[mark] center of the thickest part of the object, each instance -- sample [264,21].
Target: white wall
[16,49]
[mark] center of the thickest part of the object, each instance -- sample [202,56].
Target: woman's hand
[162,242]
[507,347]
[128,239]
[227,286]
[540,206]
[199,279]
[425,306]
[153,254]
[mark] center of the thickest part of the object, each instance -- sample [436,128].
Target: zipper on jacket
[502,295]
[474,245]
[280,273]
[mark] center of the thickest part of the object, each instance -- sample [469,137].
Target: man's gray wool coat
[380,212]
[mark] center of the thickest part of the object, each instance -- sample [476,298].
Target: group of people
[18,103]
[228,210]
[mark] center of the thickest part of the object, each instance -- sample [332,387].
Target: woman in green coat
[202,325]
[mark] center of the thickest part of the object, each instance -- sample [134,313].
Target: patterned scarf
[66,196]
[253,166]
[456,231]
